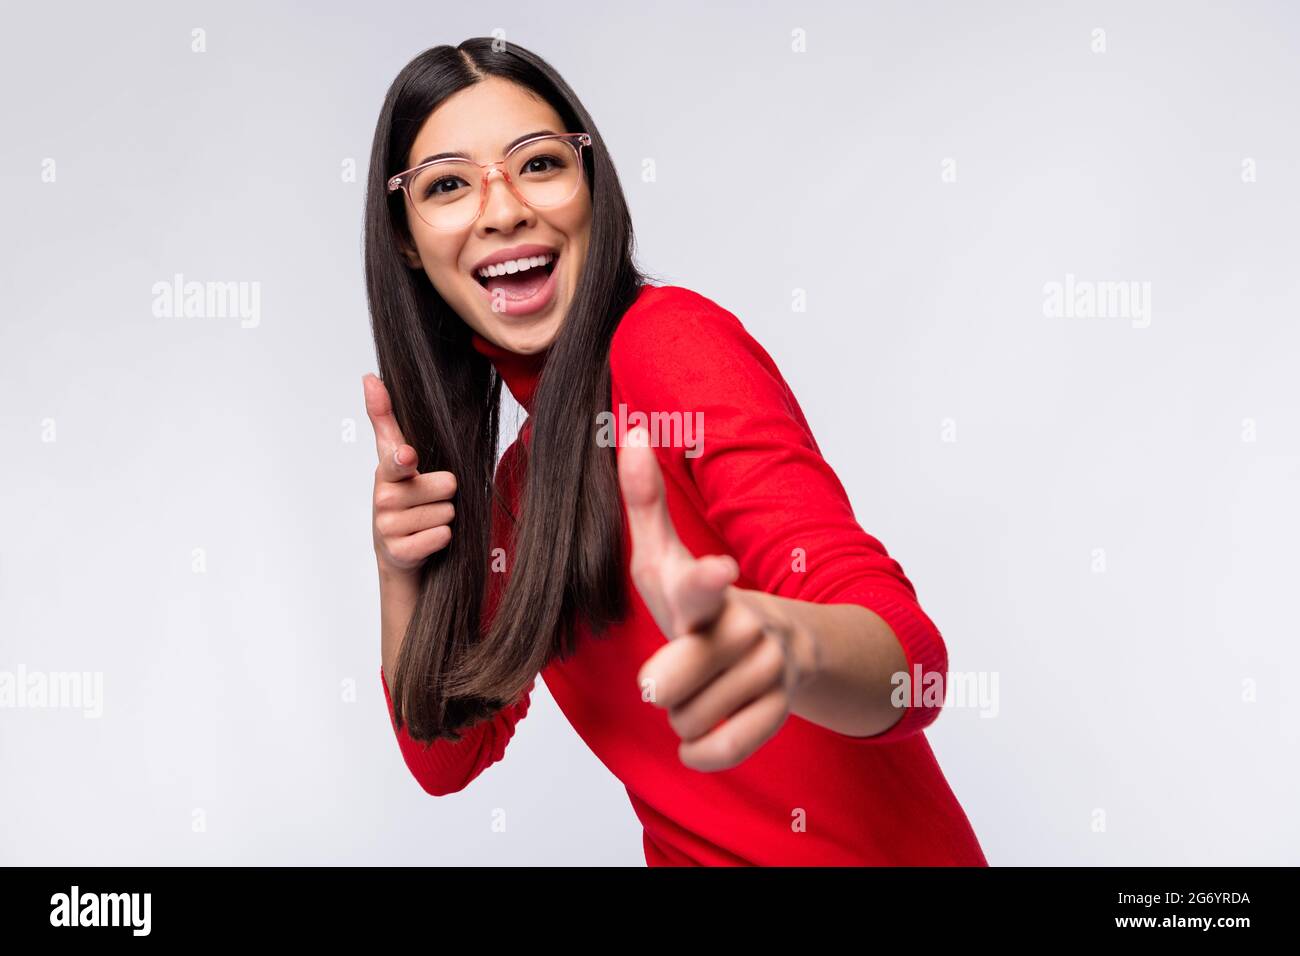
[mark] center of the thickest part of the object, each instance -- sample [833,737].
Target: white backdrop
[1098,506]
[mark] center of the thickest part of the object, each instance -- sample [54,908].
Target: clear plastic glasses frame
[574,141]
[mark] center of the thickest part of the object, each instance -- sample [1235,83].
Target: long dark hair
[565,557]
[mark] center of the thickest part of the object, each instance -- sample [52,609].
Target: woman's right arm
[412,520]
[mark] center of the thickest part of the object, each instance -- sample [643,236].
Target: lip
[538,301]
[513,252]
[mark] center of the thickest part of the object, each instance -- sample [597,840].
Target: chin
[526,334]
[528,341]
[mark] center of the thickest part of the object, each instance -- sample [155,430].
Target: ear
[408,252]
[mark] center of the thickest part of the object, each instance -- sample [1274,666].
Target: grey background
[775,170]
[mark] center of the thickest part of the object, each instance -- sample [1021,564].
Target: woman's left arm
[741,655]
[826,619]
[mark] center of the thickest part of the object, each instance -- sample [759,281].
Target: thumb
[653,536]
[698,597]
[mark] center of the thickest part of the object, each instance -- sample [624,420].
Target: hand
[733,656]
[412,512]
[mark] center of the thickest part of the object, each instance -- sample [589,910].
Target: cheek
[578,228]
[439,259]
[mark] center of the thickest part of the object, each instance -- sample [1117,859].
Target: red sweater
[759,491]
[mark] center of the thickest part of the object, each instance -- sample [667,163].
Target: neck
[520,372]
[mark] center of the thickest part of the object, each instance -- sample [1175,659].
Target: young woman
[700,600]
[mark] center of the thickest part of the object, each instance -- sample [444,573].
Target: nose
[502,209]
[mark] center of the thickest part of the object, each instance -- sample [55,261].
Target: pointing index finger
[642,484]
[379,409]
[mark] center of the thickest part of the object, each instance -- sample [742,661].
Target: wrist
[390,576]
[806,650]
[803,646]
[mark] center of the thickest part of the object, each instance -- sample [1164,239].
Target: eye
[547,163]
[436,188]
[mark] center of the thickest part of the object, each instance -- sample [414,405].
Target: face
[479,122]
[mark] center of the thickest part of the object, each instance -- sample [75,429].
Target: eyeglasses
[449,194]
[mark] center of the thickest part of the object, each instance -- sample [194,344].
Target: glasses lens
[446,194]
[546,173]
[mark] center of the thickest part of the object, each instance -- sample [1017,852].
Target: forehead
[481,120]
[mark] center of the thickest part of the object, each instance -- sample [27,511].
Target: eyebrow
[509,146]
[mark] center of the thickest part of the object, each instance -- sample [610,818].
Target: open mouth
[518,278]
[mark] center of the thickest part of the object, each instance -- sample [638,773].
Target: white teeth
[515,265]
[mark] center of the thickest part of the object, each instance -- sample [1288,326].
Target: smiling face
[480,122]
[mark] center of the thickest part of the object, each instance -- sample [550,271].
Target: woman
[499,249]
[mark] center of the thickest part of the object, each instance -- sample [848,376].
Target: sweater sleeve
[447,766]
[760,480]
